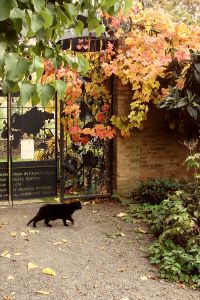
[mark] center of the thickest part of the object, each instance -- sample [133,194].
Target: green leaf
[37,22]
[192,112]
[197,75]
[181,103]
[16,67]
[72,61]
[26,92]
[11,60]
[38,5]
[99,30]
[83,65]
[197,66]
[26,25]
[35,99]
[79,28]
[128,4]
[60,87]
[48,53]
[93,23]
[71,9]
[45,93]
[37,66]
[17,13]
[47,16]
[2,52]
[6,7]
[10,87]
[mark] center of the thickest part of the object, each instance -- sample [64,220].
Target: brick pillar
[126,152]
[154,152]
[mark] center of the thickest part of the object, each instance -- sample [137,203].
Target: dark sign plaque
[33,179]
[30,179]
[3,181]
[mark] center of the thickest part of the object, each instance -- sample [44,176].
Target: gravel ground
[99,257]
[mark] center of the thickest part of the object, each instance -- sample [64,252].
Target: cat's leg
[70,219]
[34,223]
[64,222]
[46,221]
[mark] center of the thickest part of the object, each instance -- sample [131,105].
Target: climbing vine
[152,42]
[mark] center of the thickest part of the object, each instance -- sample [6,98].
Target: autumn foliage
[152,42]
[149,41]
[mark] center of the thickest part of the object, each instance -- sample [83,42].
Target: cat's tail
[30,221]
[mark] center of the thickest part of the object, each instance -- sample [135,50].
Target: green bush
[176,224]
[155,190]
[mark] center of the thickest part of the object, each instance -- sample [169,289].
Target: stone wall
[154,152]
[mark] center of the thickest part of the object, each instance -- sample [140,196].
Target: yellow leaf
[10,277]
[144,278]
[33,231]
[49,271]
[42,292]
[23,233]
[13,234]
[31,266]
[142,230]
[121,215]
[6,254]
[57,243]
[64,241]
[17,254]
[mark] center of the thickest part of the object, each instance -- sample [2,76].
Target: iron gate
[85,169]
[28,148]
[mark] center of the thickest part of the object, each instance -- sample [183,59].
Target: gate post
[126,151]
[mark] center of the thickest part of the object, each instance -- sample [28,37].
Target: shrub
[155,190]
[176,224]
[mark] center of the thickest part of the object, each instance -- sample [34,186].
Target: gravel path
[100,257]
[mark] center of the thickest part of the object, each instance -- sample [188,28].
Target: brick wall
[154,152]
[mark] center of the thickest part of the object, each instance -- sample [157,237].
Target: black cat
[56,211]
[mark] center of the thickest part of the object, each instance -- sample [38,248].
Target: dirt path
[100,257]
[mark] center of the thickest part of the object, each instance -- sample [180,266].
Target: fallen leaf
[115,235]
[120,270]
[30,265]
[42,292]
[142,230]
[9,297]
[85,203]
[49,271]
[23,233]
[17,254]
[6,254]
[144,278]
[64,277]
[3,224]
[57,243]
[10,277]
[33,231]
[13,233]
[62,241]
[121,215]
